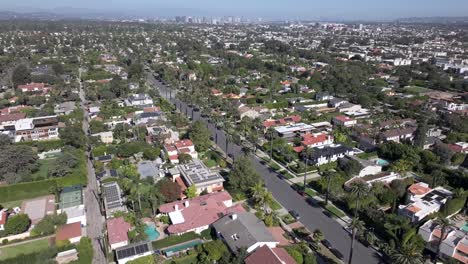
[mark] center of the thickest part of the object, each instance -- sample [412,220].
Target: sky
[273,9]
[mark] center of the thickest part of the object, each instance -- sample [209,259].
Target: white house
[106,137]
[344,121]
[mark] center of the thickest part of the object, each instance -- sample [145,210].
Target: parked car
[327,243]
[295,214]
[337,253]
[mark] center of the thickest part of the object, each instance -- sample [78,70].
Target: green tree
[243,175]
[17,224]
[21,75]
[215,249]
[200,136]
[184,158]
[355,225]
[407,255]
[420,134]
[170,190]
[191,192]
[85,250]
[73,135]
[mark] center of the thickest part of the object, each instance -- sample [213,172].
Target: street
[94,218]
[312,217]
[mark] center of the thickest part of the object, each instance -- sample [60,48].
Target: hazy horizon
[272,9]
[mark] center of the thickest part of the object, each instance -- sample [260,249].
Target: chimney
[186,203]
[176,207]
[234,216]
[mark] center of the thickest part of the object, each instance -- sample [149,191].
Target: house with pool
[199,213]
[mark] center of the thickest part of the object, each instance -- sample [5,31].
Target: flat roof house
[150,169]
[198,213]
[454,244]
[113,199]
[196,173]
[423,201]
[244,230]
[291,131]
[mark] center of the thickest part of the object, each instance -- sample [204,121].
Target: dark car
[337,253]
[295,214]
[327,244]
[311,201]
[325,212]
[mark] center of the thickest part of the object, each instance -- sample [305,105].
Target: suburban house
[344,121]
[454,243]
[265,254]
[329,153]
[197,174]
[113,199]
[423,201]
[70,232]
[289,120]
[291,131]
[323,96]
[146,117]
[244,230]
[367,167]
[459,147]
[397,134]
[314,140]
[38,128]
[197,214]
[33,88]
[117,230]
[151,169]
[139,100]
[3,219]
[64,108]
[185,146]
[133,251]
[106,137]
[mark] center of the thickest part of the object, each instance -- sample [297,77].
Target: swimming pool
[465,227]
[171,250]
[382,162]
[151,232]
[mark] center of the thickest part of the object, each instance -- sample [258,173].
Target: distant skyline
[269,9]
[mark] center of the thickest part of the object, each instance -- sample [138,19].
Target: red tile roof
[31,86]
[68,231]
[309,139]
[117,230]
[282,121]
[298,149]
[202,211]
[343,118]
[3,217]
[183,143]
[418,189]
[12,117]
[266,255]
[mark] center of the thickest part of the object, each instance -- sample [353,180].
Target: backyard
[26,248]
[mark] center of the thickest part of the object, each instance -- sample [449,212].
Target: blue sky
[313,9]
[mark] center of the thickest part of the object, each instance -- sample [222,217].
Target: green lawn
[416,89]
[210,163]
[335,211]
[190,259]
[310,192]
[173,240]
[42,173]
[31,247]
[12,204]
[274,205]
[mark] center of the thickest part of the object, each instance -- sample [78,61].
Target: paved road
[312,217]
[94,218]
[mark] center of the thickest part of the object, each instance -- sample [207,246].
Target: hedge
[29,190]
[44,145]
[173,240]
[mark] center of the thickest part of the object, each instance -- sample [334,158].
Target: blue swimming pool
[174,249]
[151,231]
[382,162]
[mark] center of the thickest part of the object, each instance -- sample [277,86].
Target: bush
[85,251]
[17,224]
[454,205]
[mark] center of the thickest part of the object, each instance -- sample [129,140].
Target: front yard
[26,248]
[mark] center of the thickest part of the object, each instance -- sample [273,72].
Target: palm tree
[443,224]
[267,199]
[328,175]
[355,225]
[271,132]
[407,255]
[257,192]
[360,190]
[307,152]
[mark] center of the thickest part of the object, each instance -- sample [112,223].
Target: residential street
[94,218]
[312,217]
